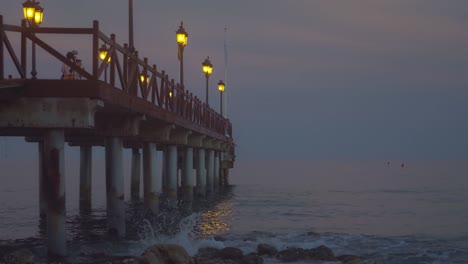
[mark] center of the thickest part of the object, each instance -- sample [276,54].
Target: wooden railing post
[155,85]
[2,54]
[133,76]
[112,57]
[125,66]
[23,47]
[173,98]
[145,82]
[191,107]
[95,49]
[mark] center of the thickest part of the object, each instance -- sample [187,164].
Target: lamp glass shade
[207,67]
[103,52]
[144,78]
[170,94]
[29,9]
[221,86]
[181,35]
[182,39]
[38,14]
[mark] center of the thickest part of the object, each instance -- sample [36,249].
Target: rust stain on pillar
[55,201]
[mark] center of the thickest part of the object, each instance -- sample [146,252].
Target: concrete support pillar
[221,178]
[201,173]
[86,157]
[151,196]
[135,177]
[115,187]
[54,187]
[216,172]
[187,176]
[226,177]
[42,199]
[210,170]
[171,171]
[164,172]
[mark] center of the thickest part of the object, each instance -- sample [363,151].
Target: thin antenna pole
[225,74]
[130,26]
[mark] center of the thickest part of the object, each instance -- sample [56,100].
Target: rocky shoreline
[175,254]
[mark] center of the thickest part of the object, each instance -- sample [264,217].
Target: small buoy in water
[402,165]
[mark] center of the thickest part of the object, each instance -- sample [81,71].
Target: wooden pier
[137,107]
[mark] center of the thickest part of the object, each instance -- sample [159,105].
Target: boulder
[349,259]
[372,262]
[20,256]
[252,258]
[208,252]
[265,249]
[292,254]
[321,253]
[166,254]
[231,253]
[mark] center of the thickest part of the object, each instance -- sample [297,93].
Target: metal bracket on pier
[196,141]
[208,143]
[119,125]
[156,133]
[179,137]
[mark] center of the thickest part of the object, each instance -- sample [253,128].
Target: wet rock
[166,253]
[21,256]
[292,254]
[208,252]
[372,262]
[265,249]
[207,255]
[109,259]
[231,253]
[252,258]
[321,253]
[349,259]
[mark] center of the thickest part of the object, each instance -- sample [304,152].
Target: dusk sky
[307,79]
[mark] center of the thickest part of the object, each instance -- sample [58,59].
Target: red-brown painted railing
[125,67]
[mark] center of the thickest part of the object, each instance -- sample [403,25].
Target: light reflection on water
[217,220]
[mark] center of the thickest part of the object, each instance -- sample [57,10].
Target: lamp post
[144,78]
[102,55]
[33,13]
[207,68]
[221,87]
[181,38]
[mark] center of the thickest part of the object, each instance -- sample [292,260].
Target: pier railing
[128,73]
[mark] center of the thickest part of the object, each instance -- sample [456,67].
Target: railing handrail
[167,94]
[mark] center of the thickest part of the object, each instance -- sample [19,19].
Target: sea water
[393,211]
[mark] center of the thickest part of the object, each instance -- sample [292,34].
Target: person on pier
[67,71]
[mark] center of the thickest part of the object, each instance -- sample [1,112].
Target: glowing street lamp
[29,8]
[181,35]
[181,38]
[103,50]
[207,68]
[144,78]
[33,13]
[38,14]
[221,87]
